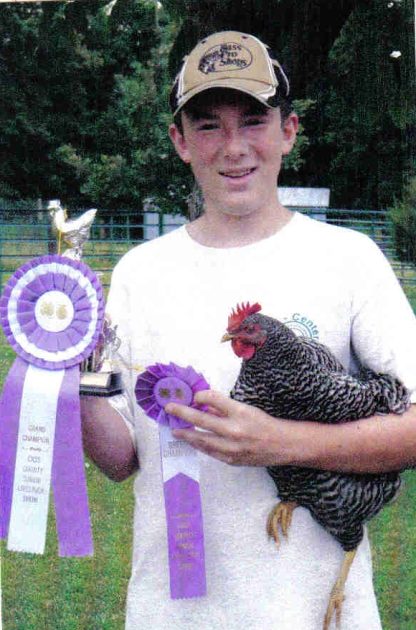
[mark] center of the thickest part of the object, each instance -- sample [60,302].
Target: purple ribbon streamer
[68,473]
[9,428]
[185,537]
[158,385]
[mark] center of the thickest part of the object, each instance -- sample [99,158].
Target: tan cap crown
[232,60]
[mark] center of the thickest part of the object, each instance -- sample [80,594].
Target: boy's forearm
[372,445]
[106,438]
[242,435]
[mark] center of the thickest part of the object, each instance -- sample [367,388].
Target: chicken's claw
[335,605]
[337,594]
[281,515]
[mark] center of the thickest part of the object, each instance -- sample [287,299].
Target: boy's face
[235,147]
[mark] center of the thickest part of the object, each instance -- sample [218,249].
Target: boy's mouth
[238,173]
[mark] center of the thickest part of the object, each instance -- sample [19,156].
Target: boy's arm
[242,435]
[107,439]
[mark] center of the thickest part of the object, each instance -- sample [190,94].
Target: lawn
[89,593]
[73,593]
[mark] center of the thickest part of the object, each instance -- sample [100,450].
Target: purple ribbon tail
[68,473]
[185,537]
[9,429]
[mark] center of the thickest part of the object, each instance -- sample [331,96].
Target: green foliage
[403,216]
[84,92]
[369,108]
[85,112]
[135,125]
[295,159]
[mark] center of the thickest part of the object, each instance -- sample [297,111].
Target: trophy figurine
[74,232]
[98,377]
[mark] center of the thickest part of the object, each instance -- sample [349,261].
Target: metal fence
[26,234]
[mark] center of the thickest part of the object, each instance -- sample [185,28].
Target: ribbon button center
[172,389]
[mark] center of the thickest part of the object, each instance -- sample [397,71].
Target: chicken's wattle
[243,349]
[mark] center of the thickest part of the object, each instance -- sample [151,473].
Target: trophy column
[98,376]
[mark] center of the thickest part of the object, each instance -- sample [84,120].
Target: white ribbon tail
[29,511]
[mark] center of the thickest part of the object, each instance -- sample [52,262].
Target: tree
[85,102]
[84,95]
[369,108]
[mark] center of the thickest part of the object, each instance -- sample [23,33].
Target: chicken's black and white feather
[300,379]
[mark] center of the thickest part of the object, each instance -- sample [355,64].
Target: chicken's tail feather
[392,396]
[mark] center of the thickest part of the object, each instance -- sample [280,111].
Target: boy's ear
[179,142]
[290,130]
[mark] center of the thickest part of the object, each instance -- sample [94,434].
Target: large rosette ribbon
[155,387]
[51,312]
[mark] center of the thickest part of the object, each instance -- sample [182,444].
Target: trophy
[98,377]
[52,315]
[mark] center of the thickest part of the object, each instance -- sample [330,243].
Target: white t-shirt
[171,299]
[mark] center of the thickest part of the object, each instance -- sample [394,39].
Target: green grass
[393,536]
[73,593]
[411,296]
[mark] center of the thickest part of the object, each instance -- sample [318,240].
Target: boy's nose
[235,144]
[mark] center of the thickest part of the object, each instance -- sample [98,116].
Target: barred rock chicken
[300,379]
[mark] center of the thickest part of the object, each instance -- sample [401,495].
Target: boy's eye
[207,126]
[256,120]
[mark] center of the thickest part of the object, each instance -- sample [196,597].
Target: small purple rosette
[161,384]
[157,386]
[51,312]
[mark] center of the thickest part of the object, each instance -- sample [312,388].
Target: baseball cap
[232,60]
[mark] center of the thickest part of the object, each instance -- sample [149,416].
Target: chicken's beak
[227,337]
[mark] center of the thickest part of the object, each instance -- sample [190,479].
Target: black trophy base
[100,384]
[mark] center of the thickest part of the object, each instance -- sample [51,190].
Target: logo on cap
[227,56]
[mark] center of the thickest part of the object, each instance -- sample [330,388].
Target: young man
[171,299]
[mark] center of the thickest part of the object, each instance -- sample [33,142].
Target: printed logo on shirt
[302,326]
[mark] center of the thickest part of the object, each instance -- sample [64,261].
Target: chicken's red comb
[242,311]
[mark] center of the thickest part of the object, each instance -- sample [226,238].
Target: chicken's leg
[281,515]
[337,594]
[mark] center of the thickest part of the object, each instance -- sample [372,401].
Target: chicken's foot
[337,594]
[281,515]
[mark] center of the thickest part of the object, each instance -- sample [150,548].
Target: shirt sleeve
[118,308]
[383,322]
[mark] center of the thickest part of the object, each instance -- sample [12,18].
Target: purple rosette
[163,383]
[51,311]
[155,387]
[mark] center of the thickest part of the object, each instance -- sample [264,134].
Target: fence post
[112,229]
